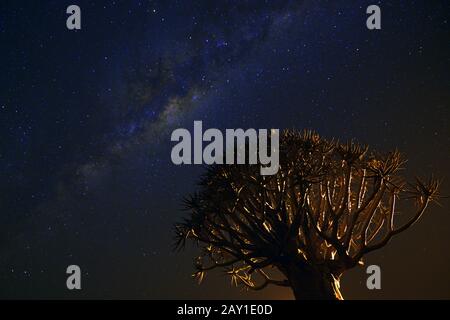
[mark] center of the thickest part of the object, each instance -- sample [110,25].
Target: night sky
[86,117]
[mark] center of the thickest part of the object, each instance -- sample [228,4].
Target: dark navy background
[86,117]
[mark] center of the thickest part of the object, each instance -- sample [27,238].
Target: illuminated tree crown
[329,204]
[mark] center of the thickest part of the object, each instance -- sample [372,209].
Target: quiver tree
[329,204]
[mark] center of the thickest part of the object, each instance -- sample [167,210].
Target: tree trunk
[308,283]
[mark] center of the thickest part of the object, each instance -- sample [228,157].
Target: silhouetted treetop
[329,204]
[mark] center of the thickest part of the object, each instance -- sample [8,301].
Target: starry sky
[86,118]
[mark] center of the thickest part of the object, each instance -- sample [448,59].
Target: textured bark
[308,283]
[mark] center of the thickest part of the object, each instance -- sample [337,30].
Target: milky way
[86,117]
